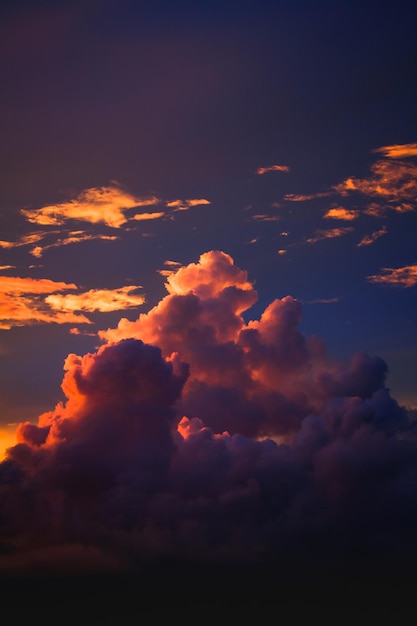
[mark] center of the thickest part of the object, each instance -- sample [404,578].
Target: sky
[208,275]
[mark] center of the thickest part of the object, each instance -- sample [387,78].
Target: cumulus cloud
[398,277]
[193,436]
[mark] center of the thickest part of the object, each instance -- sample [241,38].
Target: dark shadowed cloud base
[192,439]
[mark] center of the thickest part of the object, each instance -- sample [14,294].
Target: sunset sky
[208,215]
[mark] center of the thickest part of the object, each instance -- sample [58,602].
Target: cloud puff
[400,276]
[194,437]
[340,213]
[98,204]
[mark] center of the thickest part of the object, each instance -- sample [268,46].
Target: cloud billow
[192,436]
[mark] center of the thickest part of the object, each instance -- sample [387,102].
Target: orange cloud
[7,438]
[102,300]
[21,304]
[395,182]
[294,197]
[340,213]
[95,205]
[17,285]
[265,218]
[184,205]
[272,168]
[398,151]
[330,234]
[74,237]
[369,239]
[401,276]
[139,217]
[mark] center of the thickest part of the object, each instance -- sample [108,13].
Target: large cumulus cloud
[193,436]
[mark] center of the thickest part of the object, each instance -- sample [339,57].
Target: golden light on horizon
[7,439]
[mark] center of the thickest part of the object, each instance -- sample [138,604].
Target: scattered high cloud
[73,237]
[395,182]
[103,300]
[398,151]
[272,168]
[191,435]
[23,301]
[184,205]
[105,205]
[340,213]
[329,234]
[296,197]
[369,239]
[265,218]
[399,277]
[22,304]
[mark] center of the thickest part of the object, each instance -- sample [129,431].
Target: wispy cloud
[22,304]
[23,301]
[105,205]
[297,197]
[272,168]
[265,218]
[369,239]
[398,151]
[394,182]
[329,234]
[340,213]
[400,277]
[184,205]
[102,300]
[74,237]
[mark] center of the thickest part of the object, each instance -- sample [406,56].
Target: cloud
[139,217]
[294,197]
[272,168]
[340,213]
[369,239]
[103,300]
[22,302]
[192,436]
[184,205]
[398,151]
[105,205]
[329,234]
[393,181]
[399,277]
[265,218]
[73,237]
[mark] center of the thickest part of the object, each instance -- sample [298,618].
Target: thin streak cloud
[272,168]
[370,239]
[398,277]
[332,233]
